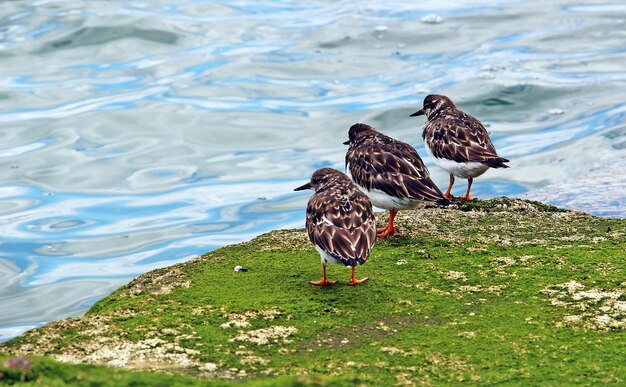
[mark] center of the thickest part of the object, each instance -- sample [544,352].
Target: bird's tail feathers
[498,162]
[349,261]
[443,202]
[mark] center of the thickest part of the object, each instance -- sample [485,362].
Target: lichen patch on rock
[456,275]
[157,282]
[602,310]
[263,336]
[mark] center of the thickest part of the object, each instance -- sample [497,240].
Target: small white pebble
[240,268]
[211,367]
[432,19]
[401,262]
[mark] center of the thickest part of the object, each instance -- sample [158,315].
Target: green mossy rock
[498,291]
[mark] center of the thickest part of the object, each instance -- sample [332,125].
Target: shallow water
[602,191]
[139,134]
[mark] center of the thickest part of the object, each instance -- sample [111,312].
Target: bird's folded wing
[345,230]
[394,169]
[461,139]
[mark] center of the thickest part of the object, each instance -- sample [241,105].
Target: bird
[340,222]
[389,171]
[457,142]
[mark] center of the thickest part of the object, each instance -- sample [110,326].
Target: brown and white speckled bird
[457,142]
[339,221]
[389,171]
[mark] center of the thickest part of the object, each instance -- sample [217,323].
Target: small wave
[93,36]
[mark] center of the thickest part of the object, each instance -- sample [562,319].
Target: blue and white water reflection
[61,252]
[138,134]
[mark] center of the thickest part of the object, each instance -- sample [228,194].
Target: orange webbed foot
[354,281]
[323,282]
[467,198]
[386,232]
[389,229]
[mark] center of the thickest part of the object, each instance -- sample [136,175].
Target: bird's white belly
[382,200]
[463,170]
[387,202]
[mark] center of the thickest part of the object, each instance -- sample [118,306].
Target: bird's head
[321,179]
[356,131]
[433,103]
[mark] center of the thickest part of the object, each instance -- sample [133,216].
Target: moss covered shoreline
[498,291]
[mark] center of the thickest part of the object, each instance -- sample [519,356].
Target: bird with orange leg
[457,142]
[339,222]
[390,172]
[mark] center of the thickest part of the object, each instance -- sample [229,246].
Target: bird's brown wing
[461,138]
[344,227]
[395,169]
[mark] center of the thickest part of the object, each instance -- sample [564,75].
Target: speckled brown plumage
[339,218]
[457,142]
[377,161]
[454,135]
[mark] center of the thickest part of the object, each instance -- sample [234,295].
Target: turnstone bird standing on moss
[457,142]
[389,171]
[339,221]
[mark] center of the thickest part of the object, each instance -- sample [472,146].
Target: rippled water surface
[139,134]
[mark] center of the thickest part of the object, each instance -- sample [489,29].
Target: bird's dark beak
[346,142]
[303,187]
[417,113]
